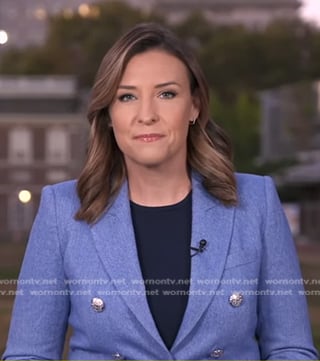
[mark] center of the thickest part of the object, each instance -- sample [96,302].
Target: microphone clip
[202,247]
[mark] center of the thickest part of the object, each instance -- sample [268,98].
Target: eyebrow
[161,85]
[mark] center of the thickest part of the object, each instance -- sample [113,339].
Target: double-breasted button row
[235,300]
[98,305]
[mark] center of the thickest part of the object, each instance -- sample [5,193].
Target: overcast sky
[311,10]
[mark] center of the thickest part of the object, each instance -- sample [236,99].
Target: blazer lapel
[213,222]
[115,243]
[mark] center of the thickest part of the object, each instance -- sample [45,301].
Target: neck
[153,187]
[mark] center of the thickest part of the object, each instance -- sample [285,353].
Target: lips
[147,138]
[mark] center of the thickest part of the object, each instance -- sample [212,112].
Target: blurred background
[262,61]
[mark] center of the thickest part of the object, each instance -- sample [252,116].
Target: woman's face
[152,110]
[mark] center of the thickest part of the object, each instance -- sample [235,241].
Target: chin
[153,161]
[150,162]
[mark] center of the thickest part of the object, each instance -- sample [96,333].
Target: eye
[168,95]
[126,97]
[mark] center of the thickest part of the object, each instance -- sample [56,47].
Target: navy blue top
[163,237]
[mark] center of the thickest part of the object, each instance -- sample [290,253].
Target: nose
[147,113]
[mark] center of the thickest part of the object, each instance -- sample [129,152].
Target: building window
[20,176]
[57,146]
[20,146]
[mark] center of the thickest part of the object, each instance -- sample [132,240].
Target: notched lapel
[213,222]
[115,243]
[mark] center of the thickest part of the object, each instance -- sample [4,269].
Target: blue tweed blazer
[246,296]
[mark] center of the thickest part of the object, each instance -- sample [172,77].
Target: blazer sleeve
[41,308]
[284,327]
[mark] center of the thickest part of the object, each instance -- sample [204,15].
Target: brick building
[42,141]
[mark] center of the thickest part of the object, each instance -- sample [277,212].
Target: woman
[159,251]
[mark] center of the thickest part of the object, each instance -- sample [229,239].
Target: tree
[241,121]
[76,45]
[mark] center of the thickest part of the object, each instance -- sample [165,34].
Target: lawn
[11,255]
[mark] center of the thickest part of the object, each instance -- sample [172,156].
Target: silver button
[97,304]
[236,299]
[117,356]
[218,352]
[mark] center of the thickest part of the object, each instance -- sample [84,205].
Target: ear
[195,109]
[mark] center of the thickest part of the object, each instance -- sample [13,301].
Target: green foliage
[29,61]
[228,59]
[195,29]
[284,53]
[236,58]
[76,45]
[84,41]
[241,121]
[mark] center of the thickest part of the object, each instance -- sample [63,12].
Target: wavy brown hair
[208,148]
